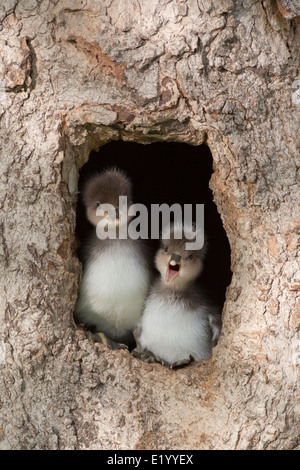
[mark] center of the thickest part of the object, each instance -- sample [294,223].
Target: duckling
[178,324]
[116,272]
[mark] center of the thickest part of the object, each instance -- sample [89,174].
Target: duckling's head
[101,197]
[178,266]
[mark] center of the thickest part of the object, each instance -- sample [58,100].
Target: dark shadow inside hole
[168,173]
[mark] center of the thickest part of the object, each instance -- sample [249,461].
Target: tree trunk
[76,75]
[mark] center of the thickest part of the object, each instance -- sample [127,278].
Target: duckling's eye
[166,249]
[191,256]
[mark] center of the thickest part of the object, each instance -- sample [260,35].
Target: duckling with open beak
[179,324]
[116,272]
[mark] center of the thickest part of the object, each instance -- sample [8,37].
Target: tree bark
[75,75]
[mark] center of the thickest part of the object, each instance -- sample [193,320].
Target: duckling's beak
[173,268]
[117,218]
[114,218]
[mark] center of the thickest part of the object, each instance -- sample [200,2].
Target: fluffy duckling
[116,271]
[178,324]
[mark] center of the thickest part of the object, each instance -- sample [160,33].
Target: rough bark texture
[77,74]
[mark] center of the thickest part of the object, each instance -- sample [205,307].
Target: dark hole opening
[169,173]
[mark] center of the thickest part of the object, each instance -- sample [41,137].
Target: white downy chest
[114,287]
[173,332]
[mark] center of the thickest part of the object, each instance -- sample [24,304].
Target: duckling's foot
[101,337]
[181,363]
[150,358]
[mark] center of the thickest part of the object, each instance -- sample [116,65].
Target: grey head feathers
[175,237]
[106,187]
